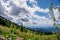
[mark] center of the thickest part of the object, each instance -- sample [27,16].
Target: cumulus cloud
[34,1]
[20,12]
[1,9]
[40,21]
[56,14]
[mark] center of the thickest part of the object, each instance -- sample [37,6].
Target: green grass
[6,32]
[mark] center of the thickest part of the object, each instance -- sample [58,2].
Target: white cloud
[33,1]
[56,14]
[18,9]
[40,21]
[44,10]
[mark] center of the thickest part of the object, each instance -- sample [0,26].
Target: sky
[29,12]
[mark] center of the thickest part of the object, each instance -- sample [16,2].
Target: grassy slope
[14,29]
[6,31]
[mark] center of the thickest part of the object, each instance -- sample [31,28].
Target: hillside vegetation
[10,30]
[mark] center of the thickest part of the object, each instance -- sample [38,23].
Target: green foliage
[13,33]
[5,22]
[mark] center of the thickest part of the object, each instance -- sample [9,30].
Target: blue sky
[46,3]
[29,12]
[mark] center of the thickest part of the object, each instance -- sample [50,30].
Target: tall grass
[54,20]
[8,33]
